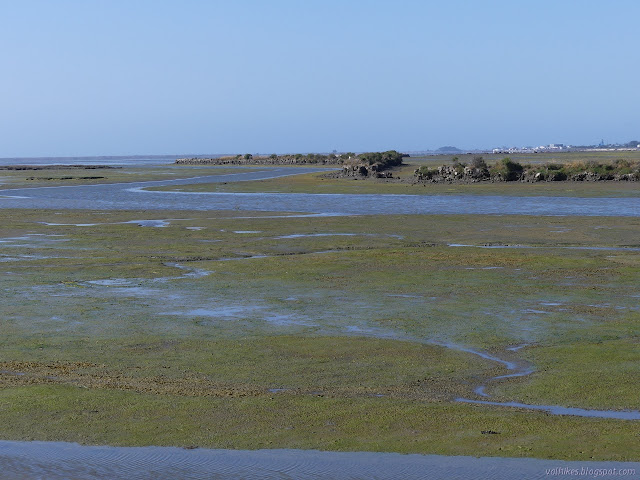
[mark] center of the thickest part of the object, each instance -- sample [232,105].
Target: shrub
[384,160]
[478,163]
[426,172]
[508,169]
[557,176]
[622,163]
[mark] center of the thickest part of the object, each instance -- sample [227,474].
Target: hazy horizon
[146,78]
[434,151]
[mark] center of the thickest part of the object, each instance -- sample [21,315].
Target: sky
[134,77]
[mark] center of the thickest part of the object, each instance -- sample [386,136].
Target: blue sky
[98,77]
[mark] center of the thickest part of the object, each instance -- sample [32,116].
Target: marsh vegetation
[507,170]
[253,330]
[444,175]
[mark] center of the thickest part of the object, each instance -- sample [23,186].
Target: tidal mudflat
[351,333]
[69,175]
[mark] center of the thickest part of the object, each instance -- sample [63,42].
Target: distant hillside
[448,149]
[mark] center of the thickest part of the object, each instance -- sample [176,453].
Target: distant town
[558,147]
[552,147]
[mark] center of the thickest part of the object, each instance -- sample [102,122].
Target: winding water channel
[136,195]
[60,460]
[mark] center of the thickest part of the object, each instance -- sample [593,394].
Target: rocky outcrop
[452,173]
[371,164]
[365,170]
[260,160]
[533,177]
[508,171]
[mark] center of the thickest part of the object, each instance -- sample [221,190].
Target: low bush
[508,170]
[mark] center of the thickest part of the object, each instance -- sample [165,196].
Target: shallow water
[192,272]
[150,223]
[58,460]
[569,247]
[460,348]
[142,223]
[522,370]
[135,195]
[557,410]
[309,235]
[140,161]
[223,311]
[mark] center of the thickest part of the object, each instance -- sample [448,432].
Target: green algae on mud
[336,367]
[206,315]
[307,422]
[611,377]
